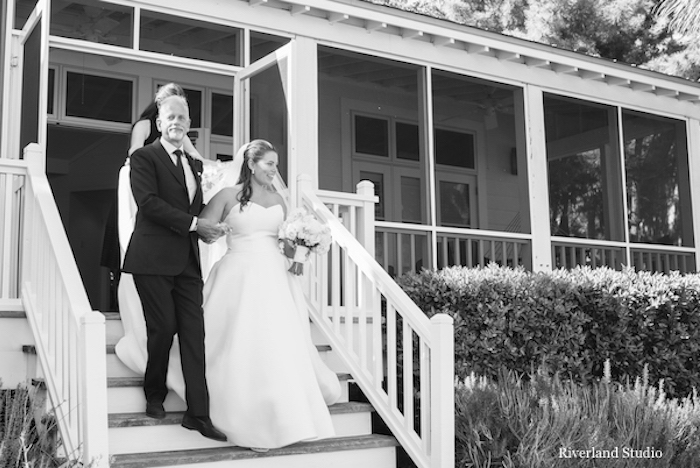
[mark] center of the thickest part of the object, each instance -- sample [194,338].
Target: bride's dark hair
[255,150]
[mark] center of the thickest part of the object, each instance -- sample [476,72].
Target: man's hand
[208,230]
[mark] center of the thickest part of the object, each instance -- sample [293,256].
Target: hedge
[569,321]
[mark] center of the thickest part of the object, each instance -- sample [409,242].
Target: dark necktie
[178,163]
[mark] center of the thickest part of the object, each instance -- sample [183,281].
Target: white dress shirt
[190,180]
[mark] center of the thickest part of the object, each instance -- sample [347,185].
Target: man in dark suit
[163,256]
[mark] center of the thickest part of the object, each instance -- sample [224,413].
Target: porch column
[5,23]
[538,186]
[303,112]
[693,130]
[11,91]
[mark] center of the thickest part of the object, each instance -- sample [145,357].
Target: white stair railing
[402,361]
[69,336]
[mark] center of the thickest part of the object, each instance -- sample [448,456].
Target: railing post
[94,390]
[34,156]
[442,407]
[365,232]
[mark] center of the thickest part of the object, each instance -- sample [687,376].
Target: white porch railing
[69,336]
[663,259]
[402,361]
[569,253]
[407,248]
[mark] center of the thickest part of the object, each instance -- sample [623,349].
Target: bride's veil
[218,175]
[282,189]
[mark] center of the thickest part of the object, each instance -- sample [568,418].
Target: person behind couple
[269,387]
[163,257]
[145,130]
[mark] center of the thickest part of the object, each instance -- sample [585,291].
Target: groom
[163,256]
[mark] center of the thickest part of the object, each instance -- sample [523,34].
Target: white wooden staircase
[401,360]
[137,441]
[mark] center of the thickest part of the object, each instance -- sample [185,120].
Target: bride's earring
[253,171]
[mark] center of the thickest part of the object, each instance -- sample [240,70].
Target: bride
[268,387]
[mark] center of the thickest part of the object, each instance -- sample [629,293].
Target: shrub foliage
[543,421]
[23,444]
[569,321]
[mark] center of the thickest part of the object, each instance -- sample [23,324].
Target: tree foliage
[637,32]
[683,16]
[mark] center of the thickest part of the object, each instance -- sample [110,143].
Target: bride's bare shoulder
[232,191]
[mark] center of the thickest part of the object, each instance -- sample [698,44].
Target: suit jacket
[161,242]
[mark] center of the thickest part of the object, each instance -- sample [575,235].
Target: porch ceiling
[415,27]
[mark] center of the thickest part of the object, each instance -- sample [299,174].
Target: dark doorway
[82,167]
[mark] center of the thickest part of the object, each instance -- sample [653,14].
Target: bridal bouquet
[212,174]
[302,230]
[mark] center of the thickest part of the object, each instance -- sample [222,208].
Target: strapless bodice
[254,228]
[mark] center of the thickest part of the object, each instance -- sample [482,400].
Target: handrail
[69,336]
[402,361]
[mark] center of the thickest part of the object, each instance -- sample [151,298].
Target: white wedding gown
[268,386]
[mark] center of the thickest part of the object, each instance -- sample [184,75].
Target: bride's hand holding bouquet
[299,235]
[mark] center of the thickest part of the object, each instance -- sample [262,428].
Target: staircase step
[13,313]
[114,329]
[110,348]
[342,452]
[140,419]
[135,432]
[31,349]
[125,394]
[116,368]
[115,382]
[15,366]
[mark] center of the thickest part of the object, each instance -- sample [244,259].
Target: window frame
[62,93]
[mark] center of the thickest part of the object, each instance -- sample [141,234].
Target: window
[262,44]
[221,114]
[188,38]
[407,141]
[585,196]
[454,148]
[411,200]
[454,206]
[50,104]
[100,22]
[387,153]
[657,175]
[194,100]
[371,136]
[99,97]
[456,197]
[23,9]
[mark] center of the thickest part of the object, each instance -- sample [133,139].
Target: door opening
[82,167]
